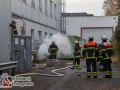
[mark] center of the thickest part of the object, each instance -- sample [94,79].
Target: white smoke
[62,41]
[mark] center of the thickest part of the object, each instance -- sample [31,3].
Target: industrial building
[42,18]
[37,19]
[83,25]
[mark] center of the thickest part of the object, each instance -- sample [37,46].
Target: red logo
[6,82]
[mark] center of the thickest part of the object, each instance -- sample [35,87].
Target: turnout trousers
[76,61]
[52,56]
[107,67]
[92,62]
[76,64]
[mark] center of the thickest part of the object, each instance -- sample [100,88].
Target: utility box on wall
[5,30]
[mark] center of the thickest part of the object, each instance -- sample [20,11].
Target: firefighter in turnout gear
[53,48]
[106,54]
[77,52]
[90,51]
[99,59]
[13,25]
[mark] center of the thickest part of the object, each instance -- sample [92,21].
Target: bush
[116,41]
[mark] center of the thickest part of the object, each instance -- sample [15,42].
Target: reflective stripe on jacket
[53,49]
[106,51]
[90,50]
[77,51]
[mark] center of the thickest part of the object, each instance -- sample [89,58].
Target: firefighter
[106,54]
[13,25]
[77,52]
[90,51]
[80,46]
[53,48]
[99,59]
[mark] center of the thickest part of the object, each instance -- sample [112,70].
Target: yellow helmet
[91,37]
[103,37]
[76,41]
[13,20]
[80,45]
[53,41]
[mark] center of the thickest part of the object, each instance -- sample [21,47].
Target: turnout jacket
[53,48]
[77,51]
[90,50]
[106,51]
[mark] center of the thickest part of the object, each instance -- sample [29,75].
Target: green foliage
[116,38]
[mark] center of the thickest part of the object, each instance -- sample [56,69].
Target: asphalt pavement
[72,80]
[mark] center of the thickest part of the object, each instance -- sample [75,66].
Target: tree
[110,7]
[116,39]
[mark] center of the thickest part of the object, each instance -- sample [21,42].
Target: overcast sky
[89,6]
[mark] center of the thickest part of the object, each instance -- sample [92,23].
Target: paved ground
[71,80]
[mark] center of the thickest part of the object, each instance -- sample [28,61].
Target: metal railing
[8,65]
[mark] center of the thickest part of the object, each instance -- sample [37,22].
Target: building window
[45,34]
[50,8]
[40,5]
[55,10]
[32,34]
[33,3]
[50,35]
[24,1]
[21,28]
[39,37]
[46,7]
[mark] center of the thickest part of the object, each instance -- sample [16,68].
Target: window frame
[46,7]
[24,1]
[40,5]
[51,10]
[33,3]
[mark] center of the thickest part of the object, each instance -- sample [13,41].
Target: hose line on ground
[54,72]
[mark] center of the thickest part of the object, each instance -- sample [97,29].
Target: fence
[22,52]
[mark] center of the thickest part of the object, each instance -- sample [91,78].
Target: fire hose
[54,72]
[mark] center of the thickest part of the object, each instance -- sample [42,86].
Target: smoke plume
[62,41]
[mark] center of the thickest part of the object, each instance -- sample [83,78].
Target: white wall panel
[5,31]
[28,2]
[24,9]
[34,14]
[29,12]
[97,33]
[73,24]
[13,5]
[39,17]
[18,9]
[48,21]
[43,6]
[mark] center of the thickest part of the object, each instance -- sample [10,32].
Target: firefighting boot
[95,77]
[107,73]
[101,68]
[110,76]
[78,67]
[106,76]
[88,74]
[73,67]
